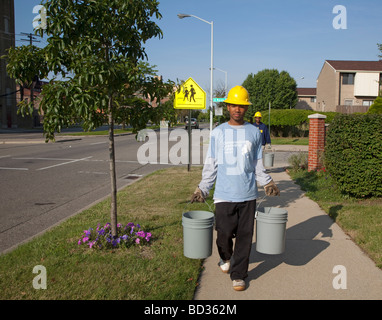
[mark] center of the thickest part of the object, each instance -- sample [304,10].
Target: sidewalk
[314,246]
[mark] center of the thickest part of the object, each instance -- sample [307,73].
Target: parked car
[194,123]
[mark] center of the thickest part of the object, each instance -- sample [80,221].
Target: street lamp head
[182,15]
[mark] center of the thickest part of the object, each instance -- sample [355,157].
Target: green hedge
[292,122]
[376,107]
[353,154]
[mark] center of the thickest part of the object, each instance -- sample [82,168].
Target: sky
[296,36]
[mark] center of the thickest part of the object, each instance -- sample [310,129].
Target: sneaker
[238,285]
[224,265]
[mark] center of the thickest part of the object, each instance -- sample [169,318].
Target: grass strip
[291,141]
[158,271]
[361,219]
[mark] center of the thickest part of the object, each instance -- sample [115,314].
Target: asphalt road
[43,184]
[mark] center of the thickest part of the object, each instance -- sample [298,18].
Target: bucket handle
[188,203]
[257,207]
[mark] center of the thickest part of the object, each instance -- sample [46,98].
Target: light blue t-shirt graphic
[232,156]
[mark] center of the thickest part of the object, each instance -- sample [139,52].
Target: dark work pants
[235,219]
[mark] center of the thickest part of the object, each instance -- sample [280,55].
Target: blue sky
[251,35]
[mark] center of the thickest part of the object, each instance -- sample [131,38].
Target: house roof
[348,65]
[307,92]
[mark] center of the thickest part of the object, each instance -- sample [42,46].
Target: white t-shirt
[234,161]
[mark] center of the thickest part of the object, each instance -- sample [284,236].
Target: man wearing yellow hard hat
[234,164]
[266,139]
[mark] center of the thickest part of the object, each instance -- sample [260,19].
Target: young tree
[97,46]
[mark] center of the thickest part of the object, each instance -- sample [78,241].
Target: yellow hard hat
[257,115]
[238,95]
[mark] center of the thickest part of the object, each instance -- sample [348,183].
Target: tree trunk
[113,208]
[113,180]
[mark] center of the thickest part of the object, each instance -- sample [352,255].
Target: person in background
[266,139]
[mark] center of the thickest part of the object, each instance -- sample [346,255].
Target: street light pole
[225,87]
[181,16]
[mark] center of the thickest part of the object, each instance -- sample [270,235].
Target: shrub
[292,122]
[299,161]
[376,107]
[353,154]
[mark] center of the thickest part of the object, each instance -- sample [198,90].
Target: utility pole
[31,39]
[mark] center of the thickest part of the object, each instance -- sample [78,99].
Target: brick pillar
[316,140]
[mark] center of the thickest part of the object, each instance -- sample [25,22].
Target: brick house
[348,86]
[24,93]
[8,118]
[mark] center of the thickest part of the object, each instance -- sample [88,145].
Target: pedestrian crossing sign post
[190,96]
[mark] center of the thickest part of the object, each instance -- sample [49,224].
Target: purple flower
[141,234]
[115,242]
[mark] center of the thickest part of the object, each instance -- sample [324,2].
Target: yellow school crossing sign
[190,96]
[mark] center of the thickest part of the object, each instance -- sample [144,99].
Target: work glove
[271,189]
[197,196]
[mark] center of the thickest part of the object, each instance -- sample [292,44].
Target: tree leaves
[270,86]
[96,47]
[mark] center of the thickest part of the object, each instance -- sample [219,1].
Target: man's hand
[197,196]
[271,189]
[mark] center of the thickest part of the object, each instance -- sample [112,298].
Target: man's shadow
[300,246]
[302,243]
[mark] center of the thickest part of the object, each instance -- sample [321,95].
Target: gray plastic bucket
[271,230]
[268,159]
[197,234]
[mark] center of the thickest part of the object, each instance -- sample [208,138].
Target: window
[348,102]
[348,78]
[313,99]
[367,103]
[6,25]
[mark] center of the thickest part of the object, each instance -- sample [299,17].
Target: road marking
[61,164]
[92,172]
[20,169]
[4,156]
[94,143]
[50,159]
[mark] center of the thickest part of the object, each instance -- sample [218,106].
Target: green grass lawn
[96,132]
[361,219]
[153,272]
[291,141]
